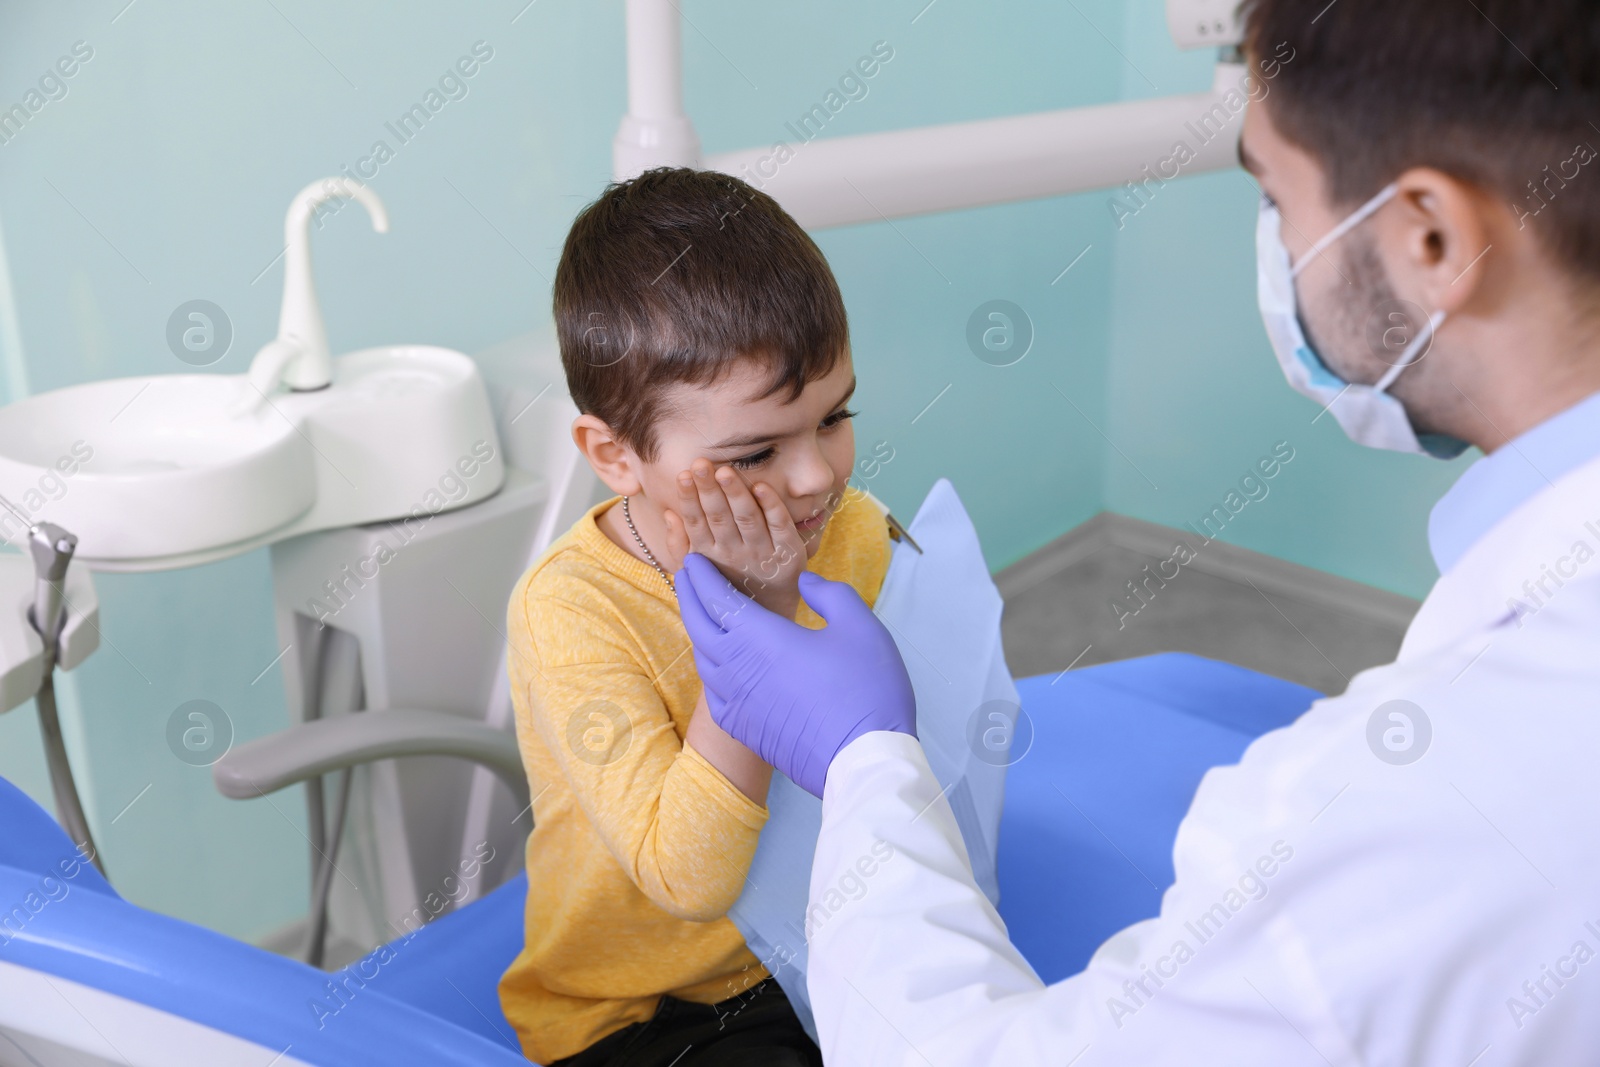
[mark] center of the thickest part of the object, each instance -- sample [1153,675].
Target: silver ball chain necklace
[665,577]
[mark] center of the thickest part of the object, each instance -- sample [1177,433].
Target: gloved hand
[792,695]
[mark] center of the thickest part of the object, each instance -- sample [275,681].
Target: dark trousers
[758,1027]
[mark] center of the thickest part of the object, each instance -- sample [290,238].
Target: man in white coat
[1410,873]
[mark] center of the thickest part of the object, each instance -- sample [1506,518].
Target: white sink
[141,467]
[160,472]
[171,471]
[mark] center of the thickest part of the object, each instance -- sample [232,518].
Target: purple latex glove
[792,695]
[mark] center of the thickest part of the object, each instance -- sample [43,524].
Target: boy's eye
[838,417]
[755,459]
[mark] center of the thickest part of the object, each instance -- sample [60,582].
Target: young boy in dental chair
[705,343]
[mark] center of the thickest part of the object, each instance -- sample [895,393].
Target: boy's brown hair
[674,276]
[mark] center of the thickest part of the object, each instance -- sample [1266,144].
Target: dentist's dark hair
[676,275]
[1502,94]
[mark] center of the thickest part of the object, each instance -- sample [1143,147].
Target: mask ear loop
[1412,352]
[1354,219]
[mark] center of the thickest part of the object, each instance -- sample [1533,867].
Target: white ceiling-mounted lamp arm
[1135,144]
[298,356]
[655,132]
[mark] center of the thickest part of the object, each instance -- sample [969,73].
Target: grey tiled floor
[1046,627]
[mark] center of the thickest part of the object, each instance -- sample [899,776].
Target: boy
[705,343]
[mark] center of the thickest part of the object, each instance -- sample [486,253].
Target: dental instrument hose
[52,549]
[335,659]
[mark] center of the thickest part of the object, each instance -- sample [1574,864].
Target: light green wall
[163,175]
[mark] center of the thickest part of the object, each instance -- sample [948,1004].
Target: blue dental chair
[65,933]
[1092,807]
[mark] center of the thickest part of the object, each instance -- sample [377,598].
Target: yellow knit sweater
[639,845]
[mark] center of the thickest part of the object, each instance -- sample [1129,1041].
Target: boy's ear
[614,462]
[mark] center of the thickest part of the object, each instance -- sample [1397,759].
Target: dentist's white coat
[1395,912]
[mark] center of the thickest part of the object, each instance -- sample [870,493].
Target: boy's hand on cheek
[749,534]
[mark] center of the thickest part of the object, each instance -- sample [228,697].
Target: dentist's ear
[1447,240]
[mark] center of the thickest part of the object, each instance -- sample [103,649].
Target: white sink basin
[161,472]
[153,466]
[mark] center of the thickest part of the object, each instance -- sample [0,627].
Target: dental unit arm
[298,357]
[827,180]
[53,622]
[315,748]
[51,548]
[309,750]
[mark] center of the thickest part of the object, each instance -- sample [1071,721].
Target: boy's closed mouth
[815,522]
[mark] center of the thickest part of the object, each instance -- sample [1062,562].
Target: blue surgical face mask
[1367,413]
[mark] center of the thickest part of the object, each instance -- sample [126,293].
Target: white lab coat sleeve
[891,874]
[910,964]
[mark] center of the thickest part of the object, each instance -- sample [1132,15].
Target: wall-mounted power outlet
[1204,23]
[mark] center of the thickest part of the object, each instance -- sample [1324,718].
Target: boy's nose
[810,478]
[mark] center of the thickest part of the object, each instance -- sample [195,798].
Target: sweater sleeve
[681,831]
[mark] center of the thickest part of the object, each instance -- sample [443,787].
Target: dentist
[1410,873]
